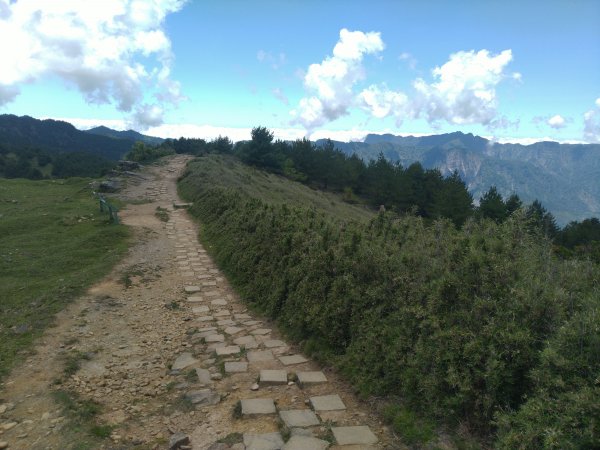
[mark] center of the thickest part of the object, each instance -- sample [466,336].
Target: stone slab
[293,359]
[359,435]
[267,441]
[191,289]
[184,360]
[203,376]
[327,403]
[203,397]
[228,350]
[205,318]
[271,377]
[200,309]
[219,302]
[242,316]
[305,443]
[260,331]
[306,378]
[272,343]
[232,330]
[215,338]
[222,313]
[260,356]
[225,322]
[247,341]
[299,418]
[195,299]
[253,406]
[236,367]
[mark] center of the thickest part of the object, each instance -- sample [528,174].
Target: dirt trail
[168,350]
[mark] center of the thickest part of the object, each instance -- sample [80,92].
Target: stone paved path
[179,361]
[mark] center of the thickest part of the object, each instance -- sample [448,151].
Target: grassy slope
[54,243]
[228,172]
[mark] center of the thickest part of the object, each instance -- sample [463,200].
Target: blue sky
[512,70]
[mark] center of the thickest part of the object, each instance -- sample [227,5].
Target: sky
[513,71]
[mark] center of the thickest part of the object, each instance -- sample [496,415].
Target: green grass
[228,172]
[54,243]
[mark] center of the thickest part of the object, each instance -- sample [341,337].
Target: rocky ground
[171,357]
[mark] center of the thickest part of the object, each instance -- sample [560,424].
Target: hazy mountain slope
[564,177]
[18,133]
[131,135]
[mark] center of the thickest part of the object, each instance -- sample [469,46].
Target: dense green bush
[459,324]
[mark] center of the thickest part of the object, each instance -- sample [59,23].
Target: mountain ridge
[564,177]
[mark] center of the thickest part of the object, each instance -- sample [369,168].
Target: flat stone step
[222,313]
[272,343]
[232,330]
[327,403]
[203,397]
[195,299]
[225,322]
[259,331]
[219,302]
[267,441]
[273,377]
[214,338]
[293,359]
[192,289]
[299,418]
[247,341]
[236,367]
[359,435]
[260,356]
[228,350]
[307,378]
[184,360]
[200,309]
[203,376]
[305,443]
[255,406]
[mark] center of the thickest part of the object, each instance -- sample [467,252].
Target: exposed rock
[177,440]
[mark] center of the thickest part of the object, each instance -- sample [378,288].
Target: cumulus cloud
[462,91]
[332,81]
[591,124]
[557,122]
[96,46]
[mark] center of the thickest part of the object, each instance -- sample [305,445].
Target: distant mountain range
[55,136]
[564,177]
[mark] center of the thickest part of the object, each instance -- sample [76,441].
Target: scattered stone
[254,387]
[267,441]
[260,331]
[3,445]
[203,376]
[236,367]
[254,406]
[299,418]
[327,403]
[272,343]
[216,376]
[293,359]
[184,360]
[203,397]
[177,440]
[360,435]
[305,443]
[306,378]
[192,289]
[272,377]
[260,356]
[9,425]
[228,350]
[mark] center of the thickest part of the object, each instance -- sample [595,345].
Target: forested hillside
[479,326]
[564,177]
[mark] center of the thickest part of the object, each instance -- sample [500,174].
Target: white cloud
[464,90]
[382,102]
[332,81]
[95,46]
[591,124]
[557,122]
